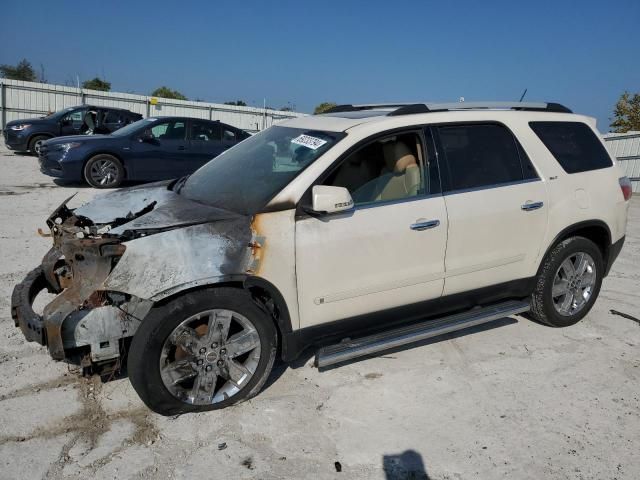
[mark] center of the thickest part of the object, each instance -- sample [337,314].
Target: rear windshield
[573,144]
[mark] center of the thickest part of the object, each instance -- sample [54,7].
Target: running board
[349,349]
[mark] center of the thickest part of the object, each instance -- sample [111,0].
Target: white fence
[626,148]
[29,99]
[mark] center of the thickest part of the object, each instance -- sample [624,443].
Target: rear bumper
[612,254]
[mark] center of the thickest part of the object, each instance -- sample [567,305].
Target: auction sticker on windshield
[308,141]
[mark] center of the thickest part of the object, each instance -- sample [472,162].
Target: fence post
[210,113]
[3,103]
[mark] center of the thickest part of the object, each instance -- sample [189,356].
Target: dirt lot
[511,400]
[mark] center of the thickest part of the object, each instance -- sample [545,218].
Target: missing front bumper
[97,330]
[24,317]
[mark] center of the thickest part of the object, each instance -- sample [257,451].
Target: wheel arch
[595,230]
[48,136]
[263,292]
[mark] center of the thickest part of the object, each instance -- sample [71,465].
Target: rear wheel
[35,142]
[202,351]
[104,171]
[569,283]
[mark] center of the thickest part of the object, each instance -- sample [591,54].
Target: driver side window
[388,169]
[173,130]
[73,118]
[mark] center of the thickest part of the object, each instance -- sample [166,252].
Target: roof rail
[367,106]
[412,108]
[526,106]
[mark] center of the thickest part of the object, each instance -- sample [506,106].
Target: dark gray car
[28,134]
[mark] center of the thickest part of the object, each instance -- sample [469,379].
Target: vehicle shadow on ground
[281,367]
[76,184]
[407,465]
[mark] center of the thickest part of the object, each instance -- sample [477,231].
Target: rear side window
[480,156]
[573,144]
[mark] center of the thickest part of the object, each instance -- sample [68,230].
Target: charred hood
[139,211]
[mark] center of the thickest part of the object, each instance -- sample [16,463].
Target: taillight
[625,186]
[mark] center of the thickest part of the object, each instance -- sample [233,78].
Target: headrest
[398,156]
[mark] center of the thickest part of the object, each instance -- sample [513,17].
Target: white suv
[365,228]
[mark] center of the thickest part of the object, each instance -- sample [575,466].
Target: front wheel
[201,351]
[104,171]
[568,283]
[35,143]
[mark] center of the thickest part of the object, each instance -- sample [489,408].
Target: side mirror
[328,199]
[146,136]
[66,122]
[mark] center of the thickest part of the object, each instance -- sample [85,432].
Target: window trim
[443,162]
[416,129]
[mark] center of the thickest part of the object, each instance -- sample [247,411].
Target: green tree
[237,103]
[323,107]
[626,115]
[166,92]
[22,71]
[97,84]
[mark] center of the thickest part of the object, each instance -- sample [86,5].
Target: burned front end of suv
[108,268]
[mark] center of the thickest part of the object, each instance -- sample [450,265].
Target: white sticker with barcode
[308,141]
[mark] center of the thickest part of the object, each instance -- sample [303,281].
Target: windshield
[59,113]
[246,177]
[132,127]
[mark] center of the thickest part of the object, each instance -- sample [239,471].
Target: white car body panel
[369,259]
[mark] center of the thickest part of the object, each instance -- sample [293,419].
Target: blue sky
[582,54]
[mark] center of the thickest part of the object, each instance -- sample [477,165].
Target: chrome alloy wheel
[104,172]
[573,283]
[210,357]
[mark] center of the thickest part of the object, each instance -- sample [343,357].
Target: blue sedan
[147,150]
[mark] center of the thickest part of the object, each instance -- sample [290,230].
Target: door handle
[426,225]
[181,147]
[527,207]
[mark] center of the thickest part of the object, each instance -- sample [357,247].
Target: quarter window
[573,144]
[384,170]
[480,156]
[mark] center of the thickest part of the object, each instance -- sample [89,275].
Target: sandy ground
[512,400]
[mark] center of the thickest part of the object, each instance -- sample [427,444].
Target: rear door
[112,120]
[496,204]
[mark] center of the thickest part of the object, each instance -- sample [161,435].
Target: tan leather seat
[355,172]
[402,179]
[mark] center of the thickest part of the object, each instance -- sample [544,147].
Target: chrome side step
[353,348]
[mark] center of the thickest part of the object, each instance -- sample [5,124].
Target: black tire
[111,179]
[542,304]
[144,356]
[34,144]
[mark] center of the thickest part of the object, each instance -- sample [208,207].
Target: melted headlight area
[85,323]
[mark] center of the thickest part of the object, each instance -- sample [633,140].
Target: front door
[72,123]
[496,203]
[389,250]
[206,143]
[164,155]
